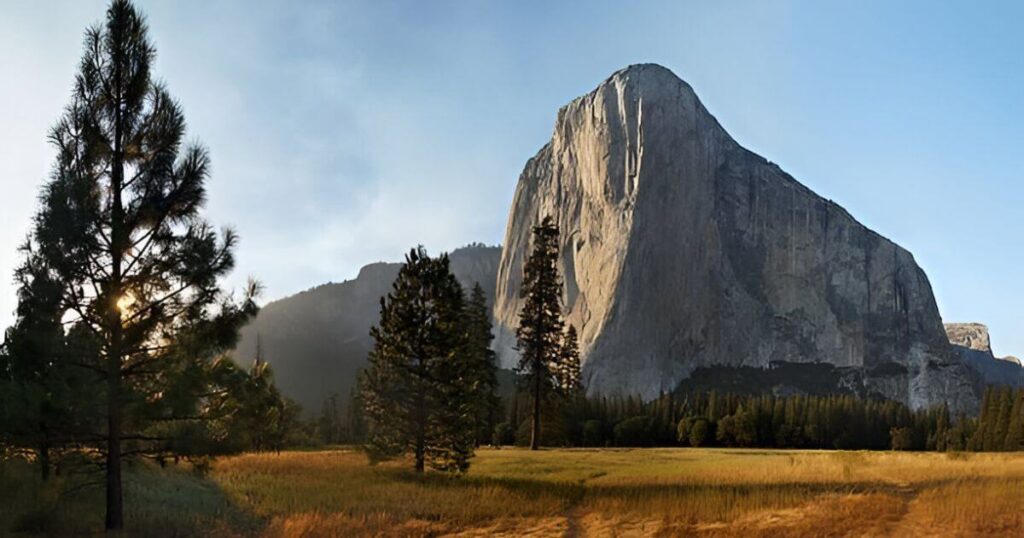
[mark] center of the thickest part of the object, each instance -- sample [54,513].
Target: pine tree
[355,419]
[261,404]
[997,433]
[48,398]
[121,231]
[977,439]
[569,377]
[329,425]
[540,323]
[483,379]
[513,412]
[413,389]
[1015,430]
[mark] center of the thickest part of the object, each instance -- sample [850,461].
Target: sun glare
[125,303]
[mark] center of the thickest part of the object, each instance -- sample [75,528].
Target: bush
[902,438]
[700,432]
[635,431]
[503,434]
[683,431]
[552,432]
[593,433]
[737,430]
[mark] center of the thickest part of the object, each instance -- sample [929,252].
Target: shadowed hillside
[317,340]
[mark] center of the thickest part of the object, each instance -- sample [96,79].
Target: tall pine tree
[120,231]
[539,335]
[414,392]
[483,378]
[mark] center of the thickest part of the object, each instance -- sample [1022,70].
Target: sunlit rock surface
[683,250]
[972,343]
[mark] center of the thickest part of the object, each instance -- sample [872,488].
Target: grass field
[607,492]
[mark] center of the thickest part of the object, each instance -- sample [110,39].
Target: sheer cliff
[683,251]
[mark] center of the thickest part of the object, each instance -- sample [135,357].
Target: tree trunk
[535,420]
[421,414]
[115,496]
[44,460]
[421,433]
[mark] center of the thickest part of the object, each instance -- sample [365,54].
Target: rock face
[971,342]
[316,341]
[969,335]
[681,250]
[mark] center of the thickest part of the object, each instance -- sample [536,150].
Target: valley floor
[514,492]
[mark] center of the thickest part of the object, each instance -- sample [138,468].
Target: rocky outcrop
[316,341]
[972,344]
[969,335]
[683,250]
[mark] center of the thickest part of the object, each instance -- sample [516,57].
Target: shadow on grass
[163,503]
[717,501]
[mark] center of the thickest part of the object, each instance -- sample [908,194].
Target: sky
[344,133]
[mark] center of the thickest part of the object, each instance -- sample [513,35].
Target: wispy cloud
[344,133]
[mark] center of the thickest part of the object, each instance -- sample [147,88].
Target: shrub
[503,434]
[700,432]
[593,433]
[902,438]
[634,431]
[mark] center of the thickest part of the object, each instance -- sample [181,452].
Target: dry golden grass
[641,492]
[607,492]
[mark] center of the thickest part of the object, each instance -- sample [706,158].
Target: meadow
[570,492]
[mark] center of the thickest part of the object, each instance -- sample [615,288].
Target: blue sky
[344,133]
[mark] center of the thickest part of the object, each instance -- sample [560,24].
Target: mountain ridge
[317,340]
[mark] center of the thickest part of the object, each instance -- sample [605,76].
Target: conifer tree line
[1000,426]
[712,419]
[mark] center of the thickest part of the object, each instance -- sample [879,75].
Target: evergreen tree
[285,424]
[1015,430]
[120,230]
[976,441]
[540,323]
[329,425]
[998,437]
[513,414]
[260,404]
[47,397]
[355,419]
[568,370]
[413,390]
[483,378]
[248,412]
